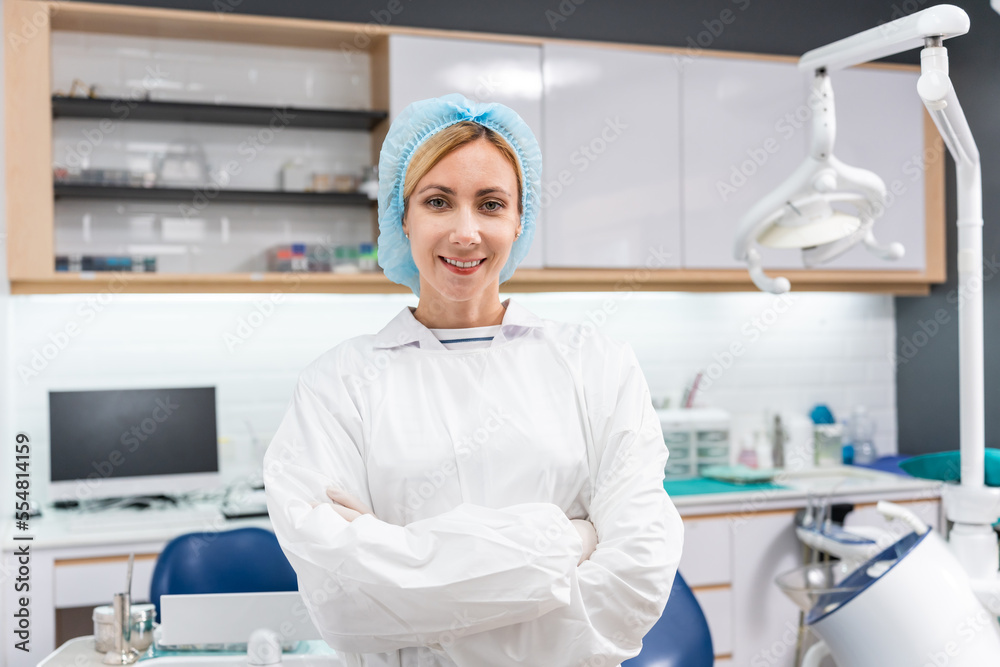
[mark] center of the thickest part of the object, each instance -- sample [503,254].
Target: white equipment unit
[801,211]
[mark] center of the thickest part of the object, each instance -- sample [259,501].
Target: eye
[437,202]
[493,206]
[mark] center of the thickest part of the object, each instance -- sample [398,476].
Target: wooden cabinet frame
[29,187]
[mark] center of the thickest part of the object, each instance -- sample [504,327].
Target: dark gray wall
[927,376]
[927,364]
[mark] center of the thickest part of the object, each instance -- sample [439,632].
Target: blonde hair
[449,139]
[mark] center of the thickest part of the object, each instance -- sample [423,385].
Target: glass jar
[142,617]
[828,443]
[860,433]
[104,628]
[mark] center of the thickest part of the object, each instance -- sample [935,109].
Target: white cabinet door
[511,74]
[880,125]
[611,151]
[746,125]
[766,622]
[717,605]
[706,559]
[83,582]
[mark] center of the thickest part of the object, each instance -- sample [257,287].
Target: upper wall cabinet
[741,140]
[162,151]
[423,67]
[223,153]
[612,158]
[746,126]
[880,122]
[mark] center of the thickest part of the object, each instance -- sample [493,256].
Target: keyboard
[201,518]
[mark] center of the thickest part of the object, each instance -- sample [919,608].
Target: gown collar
[405,329]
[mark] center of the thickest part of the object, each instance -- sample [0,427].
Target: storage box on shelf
[697,438]
[243,219]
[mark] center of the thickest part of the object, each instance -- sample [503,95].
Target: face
[463,210]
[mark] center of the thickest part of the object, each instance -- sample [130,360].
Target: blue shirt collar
[405,329]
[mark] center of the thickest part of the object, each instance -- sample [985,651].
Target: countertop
[843,483]
[56,529]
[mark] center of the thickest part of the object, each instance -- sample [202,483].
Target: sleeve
[374,587]
[621,591]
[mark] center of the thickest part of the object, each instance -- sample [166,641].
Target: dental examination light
[801,214]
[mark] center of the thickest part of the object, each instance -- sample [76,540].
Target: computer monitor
[129,442]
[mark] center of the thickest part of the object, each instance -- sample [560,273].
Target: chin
[466,292]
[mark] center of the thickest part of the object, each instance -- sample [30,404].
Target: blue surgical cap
[411,128]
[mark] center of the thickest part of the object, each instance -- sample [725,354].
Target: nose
[466,229]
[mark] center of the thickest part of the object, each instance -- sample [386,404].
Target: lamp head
[808,222]
[824,207]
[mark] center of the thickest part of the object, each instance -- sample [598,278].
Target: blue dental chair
[681,637]
[245,560]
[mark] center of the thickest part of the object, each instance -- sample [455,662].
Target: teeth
[462,265]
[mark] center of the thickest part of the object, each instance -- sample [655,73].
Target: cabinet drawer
[93,581]
[716,603]
[706,558]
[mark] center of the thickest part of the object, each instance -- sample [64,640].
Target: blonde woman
[473,485]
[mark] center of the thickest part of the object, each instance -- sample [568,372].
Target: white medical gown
[474,462]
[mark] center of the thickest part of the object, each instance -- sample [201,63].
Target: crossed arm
[351,508]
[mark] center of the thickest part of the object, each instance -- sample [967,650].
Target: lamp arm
[824,120]
[764,282]
[938,95]
[903,34]
[891,251]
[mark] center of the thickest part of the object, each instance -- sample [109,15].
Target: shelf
[212,194]
[619,281]
[225,114]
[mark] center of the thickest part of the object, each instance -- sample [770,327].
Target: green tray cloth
[689,487]
[304,647]
[946,467]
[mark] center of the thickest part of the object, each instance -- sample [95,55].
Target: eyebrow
[448,191]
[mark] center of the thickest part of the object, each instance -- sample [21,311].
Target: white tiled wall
[822,348]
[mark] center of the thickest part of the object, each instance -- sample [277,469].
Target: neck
[443,314]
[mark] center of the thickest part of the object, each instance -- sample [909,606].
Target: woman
[473,485]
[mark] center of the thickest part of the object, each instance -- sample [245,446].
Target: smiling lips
[462,267]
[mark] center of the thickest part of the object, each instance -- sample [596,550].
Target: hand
[589,536]
[347,505]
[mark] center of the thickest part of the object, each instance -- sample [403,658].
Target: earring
[407,235]
[518,235]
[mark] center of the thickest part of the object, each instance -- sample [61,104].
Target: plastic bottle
[367,259]
[861,435]
[765,451]
[748,455]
